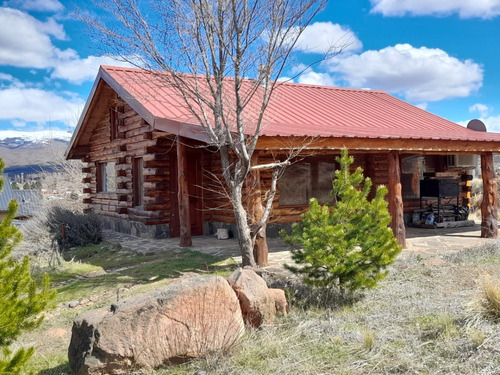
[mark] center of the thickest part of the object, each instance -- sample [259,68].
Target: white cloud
[314,78]
[327,37]
[420,74]
[51,27]
[482,109]
[6,77]
[37,105]
[18,123]
[422,106]
[25,41]
[464,8]
[76,70]
[37,5]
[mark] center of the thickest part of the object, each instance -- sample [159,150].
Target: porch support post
[489,205]
[396,198]
[256,210]
[183,194]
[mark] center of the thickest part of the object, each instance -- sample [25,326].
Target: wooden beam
[412,146]
[489,205]
[396,198]
[183,194]
[256,210]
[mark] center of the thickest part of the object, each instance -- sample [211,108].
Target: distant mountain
[28,152]
[14,139]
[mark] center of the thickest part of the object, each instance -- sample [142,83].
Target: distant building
[29,201]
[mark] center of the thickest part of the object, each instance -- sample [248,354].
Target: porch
[426,243]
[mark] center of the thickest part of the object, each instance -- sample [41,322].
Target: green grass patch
[436,327]
[104,268]
[56,364]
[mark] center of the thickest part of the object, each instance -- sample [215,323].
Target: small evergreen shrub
[348,244]
[79,229]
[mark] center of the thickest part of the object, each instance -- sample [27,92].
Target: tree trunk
[244,234]
[256,211]
[396,199]
[183,195]
[489,205]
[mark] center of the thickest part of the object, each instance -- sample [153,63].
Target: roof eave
[122,92]
[69,154]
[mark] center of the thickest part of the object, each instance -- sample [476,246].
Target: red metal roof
[303,110]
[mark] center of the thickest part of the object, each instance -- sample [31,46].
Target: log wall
[135,138]
[218,208]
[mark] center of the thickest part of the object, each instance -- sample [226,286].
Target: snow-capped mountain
[28,152]
[13,139]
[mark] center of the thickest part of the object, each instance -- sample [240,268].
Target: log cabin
[146,158]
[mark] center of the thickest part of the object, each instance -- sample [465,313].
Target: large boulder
[186,319]
[257,303]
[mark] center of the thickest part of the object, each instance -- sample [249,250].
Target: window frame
[314,181]
[104,182]
[138,181]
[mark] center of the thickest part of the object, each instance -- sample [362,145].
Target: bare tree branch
[208,51]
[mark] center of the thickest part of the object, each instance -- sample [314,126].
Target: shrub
[350,243]
[73,229]
[20,301]
[488,304]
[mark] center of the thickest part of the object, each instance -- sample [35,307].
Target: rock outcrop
[185,319]
[257,304]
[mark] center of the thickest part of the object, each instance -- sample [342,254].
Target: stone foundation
[163,230]
[136,228]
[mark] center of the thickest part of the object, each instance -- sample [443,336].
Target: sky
[440,55]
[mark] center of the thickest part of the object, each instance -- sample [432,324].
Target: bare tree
[220,44]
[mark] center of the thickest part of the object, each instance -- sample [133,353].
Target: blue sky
[442,56]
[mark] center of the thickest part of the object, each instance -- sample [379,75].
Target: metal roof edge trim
[182,129]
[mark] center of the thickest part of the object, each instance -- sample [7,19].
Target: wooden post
[489,205]
[256,210]
[396,198]
[183,194]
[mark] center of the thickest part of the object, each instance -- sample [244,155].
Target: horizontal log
[160,134]
[135,211]
[156,156]
[157,207]
[149,178]
[157,164]
[156,171]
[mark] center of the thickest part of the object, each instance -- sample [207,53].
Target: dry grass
[418,321]
[487,302]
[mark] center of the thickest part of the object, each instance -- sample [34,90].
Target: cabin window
[138,178]
[106,177]
[310,178]
[115,121]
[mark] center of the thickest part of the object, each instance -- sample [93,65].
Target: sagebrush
[73,228]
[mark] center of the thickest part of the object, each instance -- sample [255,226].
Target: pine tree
[350,243]
[21,302]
